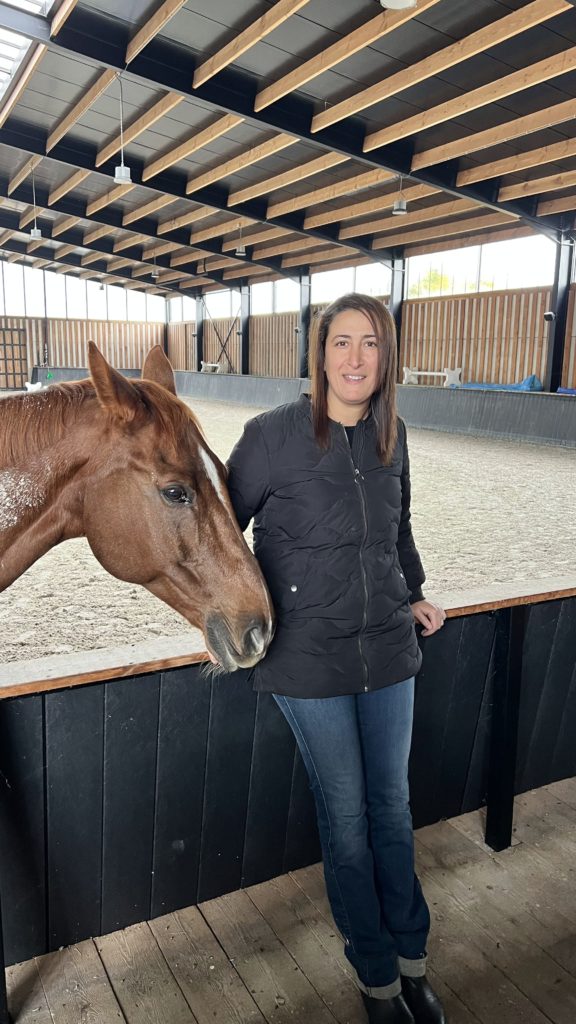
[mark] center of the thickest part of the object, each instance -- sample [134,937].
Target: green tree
[434,283]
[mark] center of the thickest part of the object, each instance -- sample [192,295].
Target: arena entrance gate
[13,358]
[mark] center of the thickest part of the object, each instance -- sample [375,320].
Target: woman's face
[351,359]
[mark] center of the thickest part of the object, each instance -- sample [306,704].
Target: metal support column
[557,322]
[303,328]
[244,330]
[509,643]
[199,353]
[397,295]
[5,1017]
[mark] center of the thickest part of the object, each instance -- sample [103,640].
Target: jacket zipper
[357,480]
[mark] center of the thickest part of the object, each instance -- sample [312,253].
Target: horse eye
[176,494]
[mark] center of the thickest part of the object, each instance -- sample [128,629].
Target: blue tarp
[531,383]
[566,391]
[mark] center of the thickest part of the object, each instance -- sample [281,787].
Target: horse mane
[32,422]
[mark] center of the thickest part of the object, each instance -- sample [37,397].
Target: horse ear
[116,395]
[157,367]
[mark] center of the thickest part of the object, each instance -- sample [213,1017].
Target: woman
[327,483]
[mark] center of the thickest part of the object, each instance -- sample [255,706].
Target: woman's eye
[176,494]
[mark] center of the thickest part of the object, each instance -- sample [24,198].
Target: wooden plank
[26,998]
[223,228]
[129,751]
[483,238]
[144,211]
[334,191]
[152,27]
[390,223]
[536,186]
[563,205]
[343,49]
[367,206]
[74,729]
[317,257]
[313,943]
[29,215]
[22,852]
[107,198]
[534,74]
[301,244]
[89,96]
[246,158]
[497,31]
[61,16]
[457,227]
[195,142]
[158,110]
[282,992]
[299,173]
[21,80]
[95,233]
[128,241]
[207,977]
[27,167]
[76,986]
[67,186]
[518,162]
[257,30]
[131,959]
[493,136]
[190,217]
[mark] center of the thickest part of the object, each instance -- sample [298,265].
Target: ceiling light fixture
[397,5]
[399,207]
[122,173]
[35,232]
[240,249]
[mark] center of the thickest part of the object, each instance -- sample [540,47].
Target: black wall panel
[127,799]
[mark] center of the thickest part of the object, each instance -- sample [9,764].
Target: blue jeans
[356,749]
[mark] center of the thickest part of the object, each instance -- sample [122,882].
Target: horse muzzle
[242,646]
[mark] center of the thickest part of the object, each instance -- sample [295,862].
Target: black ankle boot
[387,1011]
[423,1002]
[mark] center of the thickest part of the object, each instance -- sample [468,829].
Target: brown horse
[124,464]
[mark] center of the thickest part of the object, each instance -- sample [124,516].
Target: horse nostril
[255,638]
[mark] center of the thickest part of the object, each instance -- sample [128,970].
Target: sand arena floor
[483,512]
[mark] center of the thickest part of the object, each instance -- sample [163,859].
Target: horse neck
[41,449]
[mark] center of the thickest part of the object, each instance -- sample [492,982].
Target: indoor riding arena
[199,182]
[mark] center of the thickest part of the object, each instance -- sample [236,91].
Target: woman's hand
[429,615]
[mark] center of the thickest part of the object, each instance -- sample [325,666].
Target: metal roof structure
[267,138]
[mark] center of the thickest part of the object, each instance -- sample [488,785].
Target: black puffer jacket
[333,537]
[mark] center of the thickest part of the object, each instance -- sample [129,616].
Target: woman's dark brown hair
[384,398]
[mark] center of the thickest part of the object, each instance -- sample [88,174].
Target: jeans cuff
[412,968]
[381,991]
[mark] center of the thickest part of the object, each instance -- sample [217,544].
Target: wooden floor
[503,946]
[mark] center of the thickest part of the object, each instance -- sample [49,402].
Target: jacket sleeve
[407,552]
[248,473]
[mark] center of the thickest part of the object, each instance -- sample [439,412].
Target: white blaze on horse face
[212,474]
[18,493]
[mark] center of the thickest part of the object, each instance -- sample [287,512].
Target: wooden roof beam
[120,264]
[368,206]
[95,233]
[141,124]
[537,185]
[107,198]
[67,186]
[88,98]
[128,241]
[329,192]
[474,142]
[244,159]
[152,27]
[495,32]
[192,145]
[392,223]
[62,14]
[6,236]
[317,257]
[259,236]
[563,205]
[27,167]
[35,244]
[534,74]
[160,250]
[299,173]
[65,250]
[93,257]
[220,229]
[344,48]
[190,217]
[281,249]
[64,225]
[187,257]
[460,227]
[461,243]
[519,162]
[275,16]
[29,215]
[21,81]
[246,271]
[144,211]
